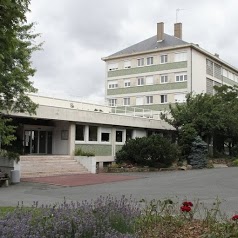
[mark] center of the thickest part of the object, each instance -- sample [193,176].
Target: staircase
[42,166]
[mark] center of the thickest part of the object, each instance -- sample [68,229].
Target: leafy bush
[154,151]
[80,152]
[235,163]
[10,155]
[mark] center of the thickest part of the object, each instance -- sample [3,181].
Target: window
[163,59]
[209,67]
[112,102]
[180,98]
[128,134]
[105,134]
[119,135]
[112,66]
[149,80]
[181,77]
[164,79]
[150,60]
[163,98]
[217,71]
[105,137]
[126,101]
[139,101]
[93,133]
[149,99]
[225,73]
[140,81]
[127,64]
[127,83]
[79,135]
[112,84]
[178,57]
[140,62]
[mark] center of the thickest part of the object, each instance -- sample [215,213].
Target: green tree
[17,43]
[212,117]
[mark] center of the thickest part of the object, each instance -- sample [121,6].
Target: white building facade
[161,70]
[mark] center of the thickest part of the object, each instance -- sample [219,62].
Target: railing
[136,112]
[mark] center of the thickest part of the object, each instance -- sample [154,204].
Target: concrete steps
[42,166]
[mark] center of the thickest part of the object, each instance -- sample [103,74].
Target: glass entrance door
[37,142]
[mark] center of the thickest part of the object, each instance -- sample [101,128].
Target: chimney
[178,30]
[160,31]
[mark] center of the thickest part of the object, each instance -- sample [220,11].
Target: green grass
[5,210]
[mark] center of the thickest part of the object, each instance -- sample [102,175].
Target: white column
[71,139]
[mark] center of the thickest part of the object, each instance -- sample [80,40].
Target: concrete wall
[60,145]
[198,83]
[7,165]
[64,103]
[97,149]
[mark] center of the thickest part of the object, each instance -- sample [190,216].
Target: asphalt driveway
[205,185]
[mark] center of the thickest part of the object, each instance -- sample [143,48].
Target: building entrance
[37,142]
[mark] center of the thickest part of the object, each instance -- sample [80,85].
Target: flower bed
[109,217]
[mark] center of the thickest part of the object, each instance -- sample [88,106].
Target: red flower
[185,208]
[235,217]
[188,204]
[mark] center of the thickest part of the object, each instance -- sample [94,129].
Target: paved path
[205,185]
[80,179]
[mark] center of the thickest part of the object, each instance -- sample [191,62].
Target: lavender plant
[104,217]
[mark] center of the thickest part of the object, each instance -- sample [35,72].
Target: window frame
[149,99]
[112,85]
[83,126]
[183,75]
[126,101]
[114,104]
[127,83]
[150,60]
[164,96]
[125,63]
[163,56]
[164,75]
[140,62]
[141,80]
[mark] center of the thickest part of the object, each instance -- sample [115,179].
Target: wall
[7,165]
[57,102]
[60,147]
[97,149]
[198,72]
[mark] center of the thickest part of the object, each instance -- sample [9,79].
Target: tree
[17,43]
[212,117]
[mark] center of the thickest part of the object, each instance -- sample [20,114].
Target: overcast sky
[78,33]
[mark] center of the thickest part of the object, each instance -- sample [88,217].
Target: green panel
[98,150]
[147,69]
[147,88]
[118,147]
[229,81]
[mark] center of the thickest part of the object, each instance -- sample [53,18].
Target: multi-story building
[161,70]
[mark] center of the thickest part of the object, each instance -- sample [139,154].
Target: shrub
[198,154]
[235,163]
[80,152]
[154,151]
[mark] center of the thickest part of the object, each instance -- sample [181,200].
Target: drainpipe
[191,69]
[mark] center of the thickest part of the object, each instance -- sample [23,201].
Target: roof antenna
[177,12]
